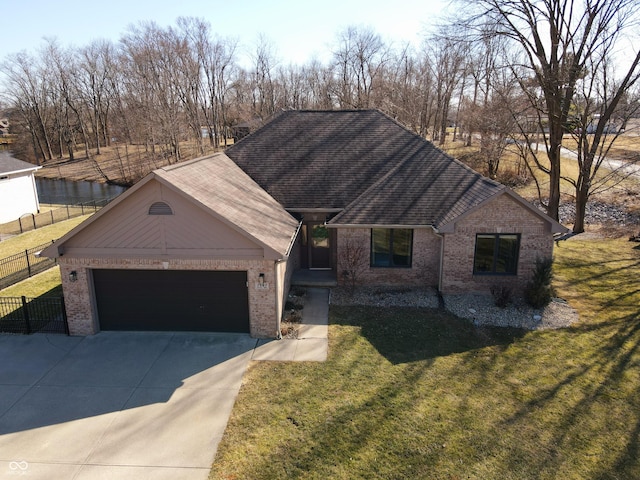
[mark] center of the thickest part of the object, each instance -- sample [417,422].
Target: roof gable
[225,190]
[217,211]
[448,226]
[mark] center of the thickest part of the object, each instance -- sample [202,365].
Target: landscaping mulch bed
[480,309]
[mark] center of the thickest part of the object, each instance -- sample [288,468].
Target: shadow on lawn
[404,335]
[592,410]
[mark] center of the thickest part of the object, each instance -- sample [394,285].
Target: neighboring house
[18,193]
[211,244]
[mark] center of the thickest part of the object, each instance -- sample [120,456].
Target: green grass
[411,393]
[46,283]
[33,238]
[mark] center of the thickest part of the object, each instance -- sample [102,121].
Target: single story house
[18,193]
[212,243]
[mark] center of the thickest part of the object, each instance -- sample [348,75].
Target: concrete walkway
[123,405]
[312,342]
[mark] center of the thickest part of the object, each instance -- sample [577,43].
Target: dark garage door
[172,300]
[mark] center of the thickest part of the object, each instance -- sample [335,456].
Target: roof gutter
[314,210]
[293,241]
[373,225]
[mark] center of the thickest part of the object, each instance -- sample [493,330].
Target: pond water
[68,192]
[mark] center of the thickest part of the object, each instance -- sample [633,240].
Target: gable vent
[160,208]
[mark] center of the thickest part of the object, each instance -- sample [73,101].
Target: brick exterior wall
[502,215]
[80,300]
[425,264]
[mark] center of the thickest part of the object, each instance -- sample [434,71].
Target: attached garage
[179,251]
[178,300]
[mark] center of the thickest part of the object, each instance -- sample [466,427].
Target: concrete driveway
[117,405]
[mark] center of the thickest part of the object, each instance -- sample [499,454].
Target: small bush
[501,295]
[512,179]
[539,290]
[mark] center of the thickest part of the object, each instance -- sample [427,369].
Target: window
[391,247]
[496,253]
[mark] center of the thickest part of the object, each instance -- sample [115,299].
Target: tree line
[505,73]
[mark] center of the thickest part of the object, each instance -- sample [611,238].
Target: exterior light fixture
[73,276]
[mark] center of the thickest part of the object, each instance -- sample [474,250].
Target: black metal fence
[33,221]
[33,315]
[18,267]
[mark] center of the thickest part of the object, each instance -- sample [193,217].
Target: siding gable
[128,229]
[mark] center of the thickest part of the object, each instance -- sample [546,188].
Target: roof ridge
[186,163]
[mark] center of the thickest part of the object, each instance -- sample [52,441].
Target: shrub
[539,290]
[501,295]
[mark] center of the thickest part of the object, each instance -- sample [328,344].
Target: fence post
[82,208]
[20,223]
[33,217]
[68,217]
[26,255]
[25,309]
[52,222]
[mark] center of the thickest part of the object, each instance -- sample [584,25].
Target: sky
[298,30]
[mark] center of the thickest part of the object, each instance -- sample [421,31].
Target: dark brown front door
[319,246]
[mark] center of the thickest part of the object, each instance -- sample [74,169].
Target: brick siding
[425,262]
[80,301]
[502,215]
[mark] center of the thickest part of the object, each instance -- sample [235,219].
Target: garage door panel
[172,300]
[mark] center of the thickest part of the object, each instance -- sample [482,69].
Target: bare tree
[359,61]
[555,40]
[448,60]
[29,89]
[353,259]
[95,77]
[596,126]
[263,85]
[217,68]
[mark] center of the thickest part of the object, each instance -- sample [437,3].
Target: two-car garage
[195,246]
[172,300]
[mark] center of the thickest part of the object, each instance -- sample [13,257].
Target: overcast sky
[299,30]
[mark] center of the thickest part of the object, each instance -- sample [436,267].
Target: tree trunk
[582,197]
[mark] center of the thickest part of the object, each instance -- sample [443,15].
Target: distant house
[18,194]
[212,244]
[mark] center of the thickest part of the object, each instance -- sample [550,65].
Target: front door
[319,246]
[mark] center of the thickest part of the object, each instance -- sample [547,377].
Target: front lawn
[410,393]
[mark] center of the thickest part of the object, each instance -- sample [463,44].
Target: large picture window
[391,247]
[496,253]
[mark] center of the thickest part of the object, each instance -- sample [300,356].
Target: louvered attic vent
[160,208]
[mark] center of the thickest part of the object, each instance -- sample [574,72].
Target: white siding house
[18,194]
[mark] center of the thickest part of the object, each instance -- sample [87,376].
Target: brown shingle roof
[362,161]
[219,185]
